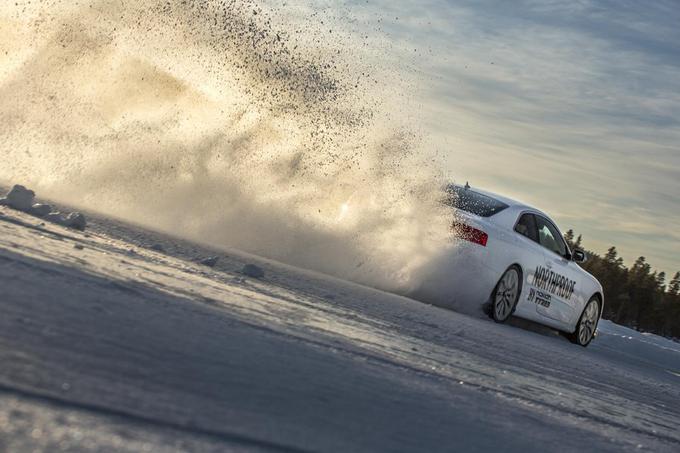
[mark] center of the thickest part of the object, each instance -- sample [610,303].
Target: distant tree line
[636,297]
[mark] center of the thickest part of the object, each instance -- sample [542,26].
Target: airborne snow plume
[229,122]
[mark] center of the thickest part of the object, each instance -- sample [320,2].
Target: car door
[558,281]
[532,259]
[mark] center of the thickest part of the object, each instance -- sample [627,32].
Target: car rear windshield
[474,202]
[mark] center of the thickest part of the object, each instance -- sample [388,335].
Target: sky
[573,107]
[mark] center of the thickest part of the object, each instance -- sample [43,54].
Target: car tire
[587,323]
[506,294]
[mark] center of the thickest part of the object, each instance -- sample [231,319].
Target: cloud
[572,106]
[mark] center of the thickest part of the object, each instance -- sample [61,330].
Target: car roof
[509,201]
[509,215]
[506,200]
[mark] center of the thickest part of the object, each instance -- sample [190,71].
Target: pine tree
[641,269]
[661,281]
[674,285]
[639,289]
[611,254]
[613,276]
[613,258]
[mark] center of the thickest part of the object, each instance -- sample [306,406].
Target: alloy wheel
[505,295]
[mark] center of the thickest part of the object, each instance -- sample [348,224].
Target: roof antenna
[467,185]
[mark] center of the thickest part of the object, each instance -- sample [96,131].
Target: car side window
[549,237]
[526,226]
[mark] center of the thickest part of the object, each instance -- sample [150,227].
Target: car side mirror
[579,256]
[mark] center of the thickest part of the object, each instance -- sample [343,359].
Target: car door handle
[548,265]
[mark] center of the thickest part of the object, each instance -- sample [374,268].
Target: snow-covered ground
[119,339]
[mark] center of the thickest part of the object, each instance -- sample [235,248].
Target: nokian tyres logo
[554,283]
[539,297]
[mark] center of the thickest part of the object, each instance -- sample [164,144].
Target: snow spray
[271,129]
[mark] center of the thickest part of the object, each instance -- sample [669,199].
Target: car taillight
[469,233]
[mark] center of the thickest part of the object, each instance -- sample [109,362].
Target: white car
[514,258]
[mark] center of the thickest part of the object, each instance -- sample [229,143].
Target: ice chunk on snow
[76,220]
[19,198]
[56,217]
[40,210]
[253,271]
[210,262]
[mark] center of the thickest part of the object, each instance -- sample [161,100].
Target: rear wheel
[505,295]
[587,324]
